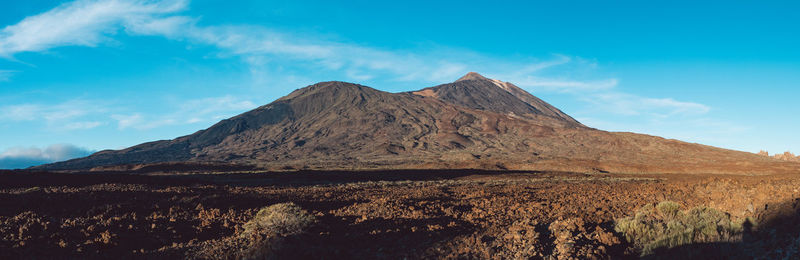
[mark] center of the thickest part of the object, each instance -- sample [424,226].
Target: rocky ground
[385,214]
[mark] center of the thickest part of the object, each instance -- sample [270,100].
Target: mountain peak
[475,91]
[329,87]
[472,123]
[472,76]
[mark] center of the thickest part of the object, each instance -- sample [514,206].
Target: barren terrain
[380,214]
[473,123]
[341,170]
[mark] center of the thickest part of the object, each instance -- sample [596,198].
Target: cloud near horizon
[23,157]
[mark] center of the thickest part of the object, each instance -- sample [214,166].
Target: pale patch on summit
[501,84]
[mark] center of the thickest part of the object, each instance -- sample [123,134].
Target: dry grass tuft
[284,219]
[269,229]
[665,226]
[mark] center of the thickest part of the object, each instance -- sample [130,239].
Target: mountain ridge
[469,123]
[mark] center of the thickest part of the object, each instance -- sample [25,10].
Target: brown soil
[382,214]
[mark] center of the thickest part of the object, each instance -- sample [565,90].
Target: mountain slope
[478,92]
[471,123]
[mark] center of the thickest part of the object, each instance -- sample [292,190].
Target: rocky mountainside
[474,122]
[477,92]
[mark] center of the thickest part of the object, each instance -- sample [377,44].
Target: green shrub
[666,226]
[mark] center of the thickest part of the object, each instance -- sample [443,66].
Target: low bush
[268,230]
[282,219]
[664,226]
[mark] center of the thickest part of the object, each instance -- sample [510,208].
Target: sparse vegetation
[271,226]
[665,226]
[31,189]
[283,219]
[397,215]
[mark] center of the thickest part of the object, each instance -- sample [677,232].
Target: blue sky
[81,76]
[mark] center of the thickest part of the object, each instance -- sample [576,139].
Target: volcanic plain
[379,214]
[473,169]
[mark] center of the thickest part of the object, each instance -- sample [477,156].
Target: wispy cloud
[127,121]
[627,104]
[701,129]
[51,113]
[82,125]
[527,69]
[138,121]
[676,107]
[214,106]
[22,157]
[256,44]
[22,112]
[88,22]
[189,112]
[5,75]
[65,116]
[566,85]
[81,114]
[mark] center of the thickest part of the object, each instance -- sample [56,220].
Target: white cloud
[700,129]
[21,112]
[66,116]
[80,114]
[189,112]
[566,85]
[128,121]
[255,45]
[535,67]
[5,75]
[52,114]
[82,125]
[627,104]
[676,106]
[21,157]
[87,23]
[140,122]
[167,26]
[214,105]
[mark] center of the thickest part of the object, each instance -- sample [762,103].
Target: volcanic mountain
[474,122]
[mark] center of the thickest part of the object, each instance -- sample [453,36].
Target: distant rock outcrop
[785,156]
